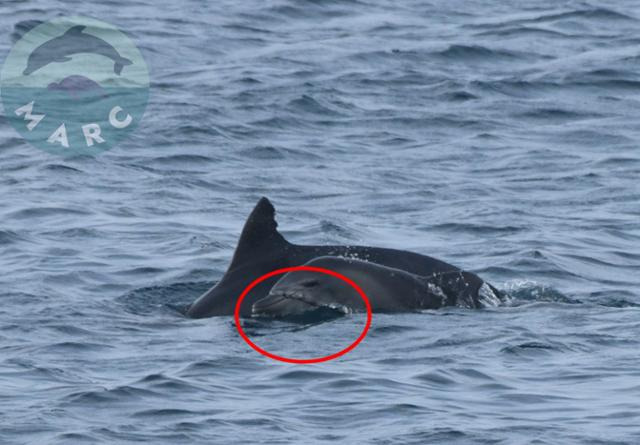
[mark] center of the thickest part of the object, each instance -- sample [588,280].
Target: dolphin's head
[33,64]
[40,57]
[300,293]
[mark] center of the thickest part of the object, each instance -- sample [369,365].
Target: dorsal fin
[75,29]
[260,232]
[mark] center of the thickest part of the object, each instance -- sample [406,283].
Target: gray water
[499,136]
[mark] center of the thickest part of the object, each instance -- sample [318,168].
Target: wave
[588,14]
[170,298]
[10,237]
[532,347]
[522,291]
[477,52]
[525,31]
[44,212]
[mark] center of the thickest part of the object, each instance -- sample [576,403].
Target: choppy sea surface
[499,136]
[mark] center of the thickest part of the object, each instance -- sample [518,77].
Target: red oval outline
[284,270]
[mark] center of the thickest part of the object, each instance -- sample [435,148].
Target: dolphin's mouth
[295,304]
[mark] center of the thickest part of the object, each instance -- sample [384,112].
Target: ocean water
[499,136]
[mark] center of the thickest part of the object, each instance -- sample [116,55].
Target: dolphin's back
[411,262]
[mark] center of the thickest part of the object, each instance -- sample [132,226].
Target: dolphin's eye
[310,283]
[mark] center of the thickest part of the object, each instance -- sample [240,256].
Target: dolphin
[73,41]
[262,249]
[388,290]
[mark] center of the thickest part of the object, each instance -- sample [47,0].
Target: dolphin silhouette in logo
[73,41]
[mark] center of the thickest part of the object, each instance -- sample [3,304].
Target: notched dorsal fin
[260,232]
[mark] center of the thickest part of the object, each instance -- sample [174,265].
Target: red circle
[259,280]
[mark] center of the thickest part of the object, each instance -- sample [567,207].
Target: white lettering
[92,133]
[34,119]
[113,120]
[60,136]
